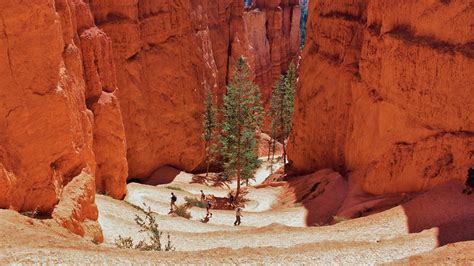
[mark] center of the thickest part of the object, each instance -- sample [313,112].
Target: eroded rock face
[54,63]
[96,91]
[321,193]
[166,54]
[385,93]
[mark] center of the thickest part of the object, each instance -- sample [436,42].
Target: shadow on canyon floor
[446,208]
[161,176]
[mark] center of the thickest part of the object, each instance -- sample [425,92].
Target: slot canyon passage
[102,106]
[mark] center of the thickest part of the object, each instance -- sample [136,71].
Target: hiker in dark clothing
[238,214]
[469,182]
[173,203]
[203,197]
[208,208]
[231,199]
[205,219]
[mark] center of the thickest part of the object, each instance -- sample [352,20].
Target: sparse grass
[183,211]
[194,202]
[148,225]
[174,188]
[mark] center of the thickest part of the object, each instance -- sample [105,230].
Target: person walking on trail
[208,208]
[238,215]
[231,199]
[205,219]
[173,203]
[203,197]
[469,182]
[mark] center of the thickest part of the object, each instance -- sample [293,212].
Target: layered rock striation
[97,91]
[56,66]
[385,93]
[168,52]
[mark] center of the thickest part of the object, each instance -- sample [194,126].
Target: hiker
[203,197]
[231,199]
[469,182]
[208,207]
[224,177]
[238,214]
[205,219]
[173,202]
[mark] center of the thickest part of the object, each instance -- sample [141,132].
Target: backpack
[173,198]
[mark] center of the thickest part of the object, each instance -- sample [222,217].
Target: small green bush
[194,202]
[183,211]
[148,225]
[174,188]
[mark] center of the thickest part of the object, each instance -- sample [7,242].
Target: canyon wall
[56,67]
[97,91]
[167,52]
[385,93]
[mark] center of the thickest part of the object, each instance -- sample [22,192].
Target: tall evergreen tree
[242,115]
[209,125]
[281,109]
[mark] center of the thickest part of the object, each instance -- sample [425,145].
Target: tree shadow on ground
[213,180]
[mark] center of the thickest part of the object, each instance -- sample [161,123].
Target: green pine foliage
[242,115]
[209,125]
[281,107]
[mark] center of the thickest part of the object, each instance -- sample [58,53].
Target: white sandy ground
[270,236]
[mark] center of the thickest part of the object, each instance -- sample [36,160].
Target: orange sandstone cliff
[166,54]
[385,93]
[97,91]
[56,72]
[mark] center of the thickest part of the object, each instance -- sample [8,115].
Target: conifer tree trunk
[269,149]
[239,138]
[208,161]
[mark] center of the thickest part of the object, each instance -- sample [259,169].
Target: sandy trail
[270,236]
[262,225]
[39,242]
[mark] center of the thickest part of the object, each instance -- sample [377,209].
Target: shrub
[124,242]
[148,225]
[183,211]
[194,202]
[174,188]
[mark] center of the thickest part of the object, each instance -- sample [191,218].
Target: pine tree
[242,116]
[209,125]
[276,104]
[282,105]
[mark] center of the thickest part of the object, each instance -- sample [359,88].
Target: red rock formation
[385,93]
[53,61]
[162,101]
[109,147]
[321,193]
[60,73]
[164,56]
[77,211]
